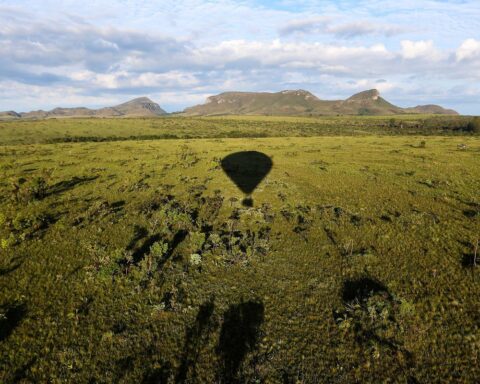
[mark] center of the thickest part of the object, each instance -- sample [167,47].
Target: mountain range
[140,107]
[300,102]
[286,103]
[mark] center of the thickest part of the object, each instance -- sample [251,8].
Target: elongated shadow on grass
[247,169]
[144,249]
[140,252]
[362,289]
[14,264]
[180,235]
[66,185]
[469,260]
[22,373]
[196,337]
[159,375]
[139,233]
[239,336]
[13,314]
[366,300]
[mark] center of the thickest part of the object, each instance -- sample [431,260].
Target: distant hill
[284,103]
[140,107]
[431,109]
[300,102]
[9,115]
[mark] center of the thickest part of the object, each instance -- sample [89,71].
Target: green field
[134,261]
[97,130]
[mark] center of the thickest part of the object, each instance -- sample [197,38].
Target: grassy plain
[91,130]
[135,261]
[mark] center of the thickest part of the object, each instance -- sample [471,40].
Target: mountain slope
[431,109]
[9,115]
[302,102]
[140,107]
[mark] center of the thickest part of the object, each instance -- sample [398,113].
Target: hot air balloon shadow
[247,169]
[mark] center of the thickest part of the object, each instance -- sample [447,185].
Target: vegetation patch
[136,261]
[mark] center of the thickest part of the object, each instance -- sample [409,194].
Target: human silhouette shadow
[247,169]
[238,336]
[196,336]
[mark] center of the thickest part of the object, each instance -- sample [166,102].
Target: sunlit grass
[134,261]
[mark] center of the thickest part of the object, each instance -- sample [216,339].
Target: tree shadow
[144,249]
[361,289]
[469,260]
[372,311]
[139,233]
[159,375]
[247,169]
[15,263]
[66,185]
[141,251]
[13,314]
[21,374]
[196,336]
[179,236]
[238,336]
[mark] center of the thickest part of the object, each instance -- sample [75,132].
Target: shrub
[38,188]
[474,125]
[158,250]
[24,191]
[29,224]
[196,241]
[195,259]
[4,244]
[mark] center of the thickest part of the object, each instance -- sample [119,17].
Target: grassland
[135,261]
[95,130]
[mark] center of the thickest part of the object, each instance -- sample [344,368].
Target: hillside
[302,102]
[431,109]
[139,107]
[9,115]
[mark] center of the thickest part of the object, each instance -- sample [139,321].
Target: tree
[474,125]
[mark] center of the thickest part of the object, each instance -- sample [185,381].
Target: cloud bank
[53,57]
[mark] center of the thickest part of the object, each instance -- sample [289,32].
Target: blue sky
[98,53]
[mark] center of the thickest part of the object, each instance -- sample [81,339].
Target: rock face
[140,107]
[300,102]
[371,94]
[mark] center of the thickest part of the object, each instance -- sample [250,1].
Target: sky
[104,52]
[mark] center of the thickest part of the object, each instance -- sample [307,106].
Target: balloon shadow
[247,169]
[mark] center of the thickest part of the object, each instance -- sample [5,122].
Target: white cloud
[252,54]
[469,49]
[114,48]
[306,25]
[325,25]
[419,49]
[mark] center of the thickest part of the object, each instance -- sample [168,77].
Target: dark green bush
[474,125]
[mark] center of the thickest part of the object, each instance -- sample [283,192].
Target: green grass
[134,261]
[91,130]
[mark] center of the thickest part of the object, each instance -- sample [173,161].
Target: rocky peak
[371,94]
[300,92]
